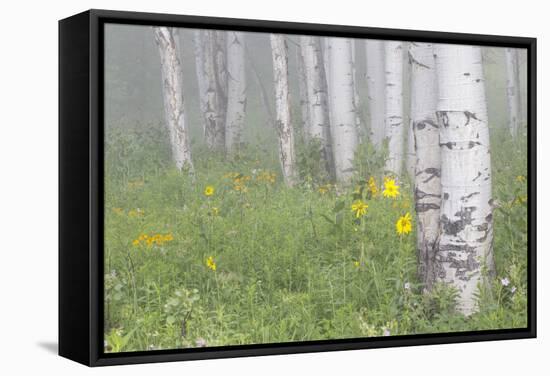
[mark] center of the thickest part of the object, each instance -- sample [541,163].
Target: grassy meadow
[235,257]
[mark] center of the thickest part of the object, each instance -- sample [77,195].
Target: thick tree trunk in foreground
[282,106]
[427,180]
[342,111]
[394,106]
[317,98]
[466,228]
[512,90]
[236,91]
[172,89]
[376,86]
[215,100]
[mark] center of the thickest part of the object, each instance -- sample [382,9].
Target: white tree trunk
[282,106]
[410,160]
[325,47]
[356,99]
[202,81]
[317,97]
[394,106]
[342,112]
[303,89]
[466,228]
[512,90]
[221,72]
[376,85]
[427,180]
[214,115]
[236,91]
[172,89]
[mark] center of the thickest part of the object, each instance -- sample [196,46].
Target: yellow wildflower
[168,237]
[231,175]
[135,242]
[520,178]
[240,188]
[356,263]
[210,263]
[373,188]
[266,176]
[135,213]
[118,210]
[521,199]
[360,208]
[135,184]
[324,189]
[404,224]
[215,211]
[209,190]
[391,190]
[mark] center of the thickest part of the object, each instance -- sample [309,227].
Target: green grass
[291,264]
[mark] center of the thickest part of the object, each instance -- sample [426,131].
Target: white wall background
[28,186]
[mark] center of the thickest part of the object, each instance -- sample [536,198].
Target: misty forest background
[232,254]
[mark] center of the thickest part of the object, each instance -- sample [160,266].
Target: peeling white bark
[427,180]
[317,97]
[466,219]
[512,90]
[394,106]
[282,106]
[343,115]
[172,89]
[376,86]
[236,91]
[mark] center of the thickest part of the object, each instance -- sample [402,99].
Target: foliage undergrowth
[238,258]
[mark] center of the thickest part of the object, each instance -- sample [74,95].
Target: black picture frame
[81,186]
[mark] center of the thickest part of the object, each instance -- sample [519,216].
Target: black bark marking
[449,145]
[486,229]
[473,144]
[464,198]
[462,267]
[424,207]
[412,60]
[470,115]
[454,227]
[433,173]
[444,118]
[445,196]
[422,124]
[419,195]
[477,177]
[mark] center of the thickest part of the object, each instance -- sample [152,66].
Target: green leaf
[339,206]
[328,219]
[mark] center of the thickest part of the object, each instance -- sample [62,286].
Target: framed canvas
[234,187]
